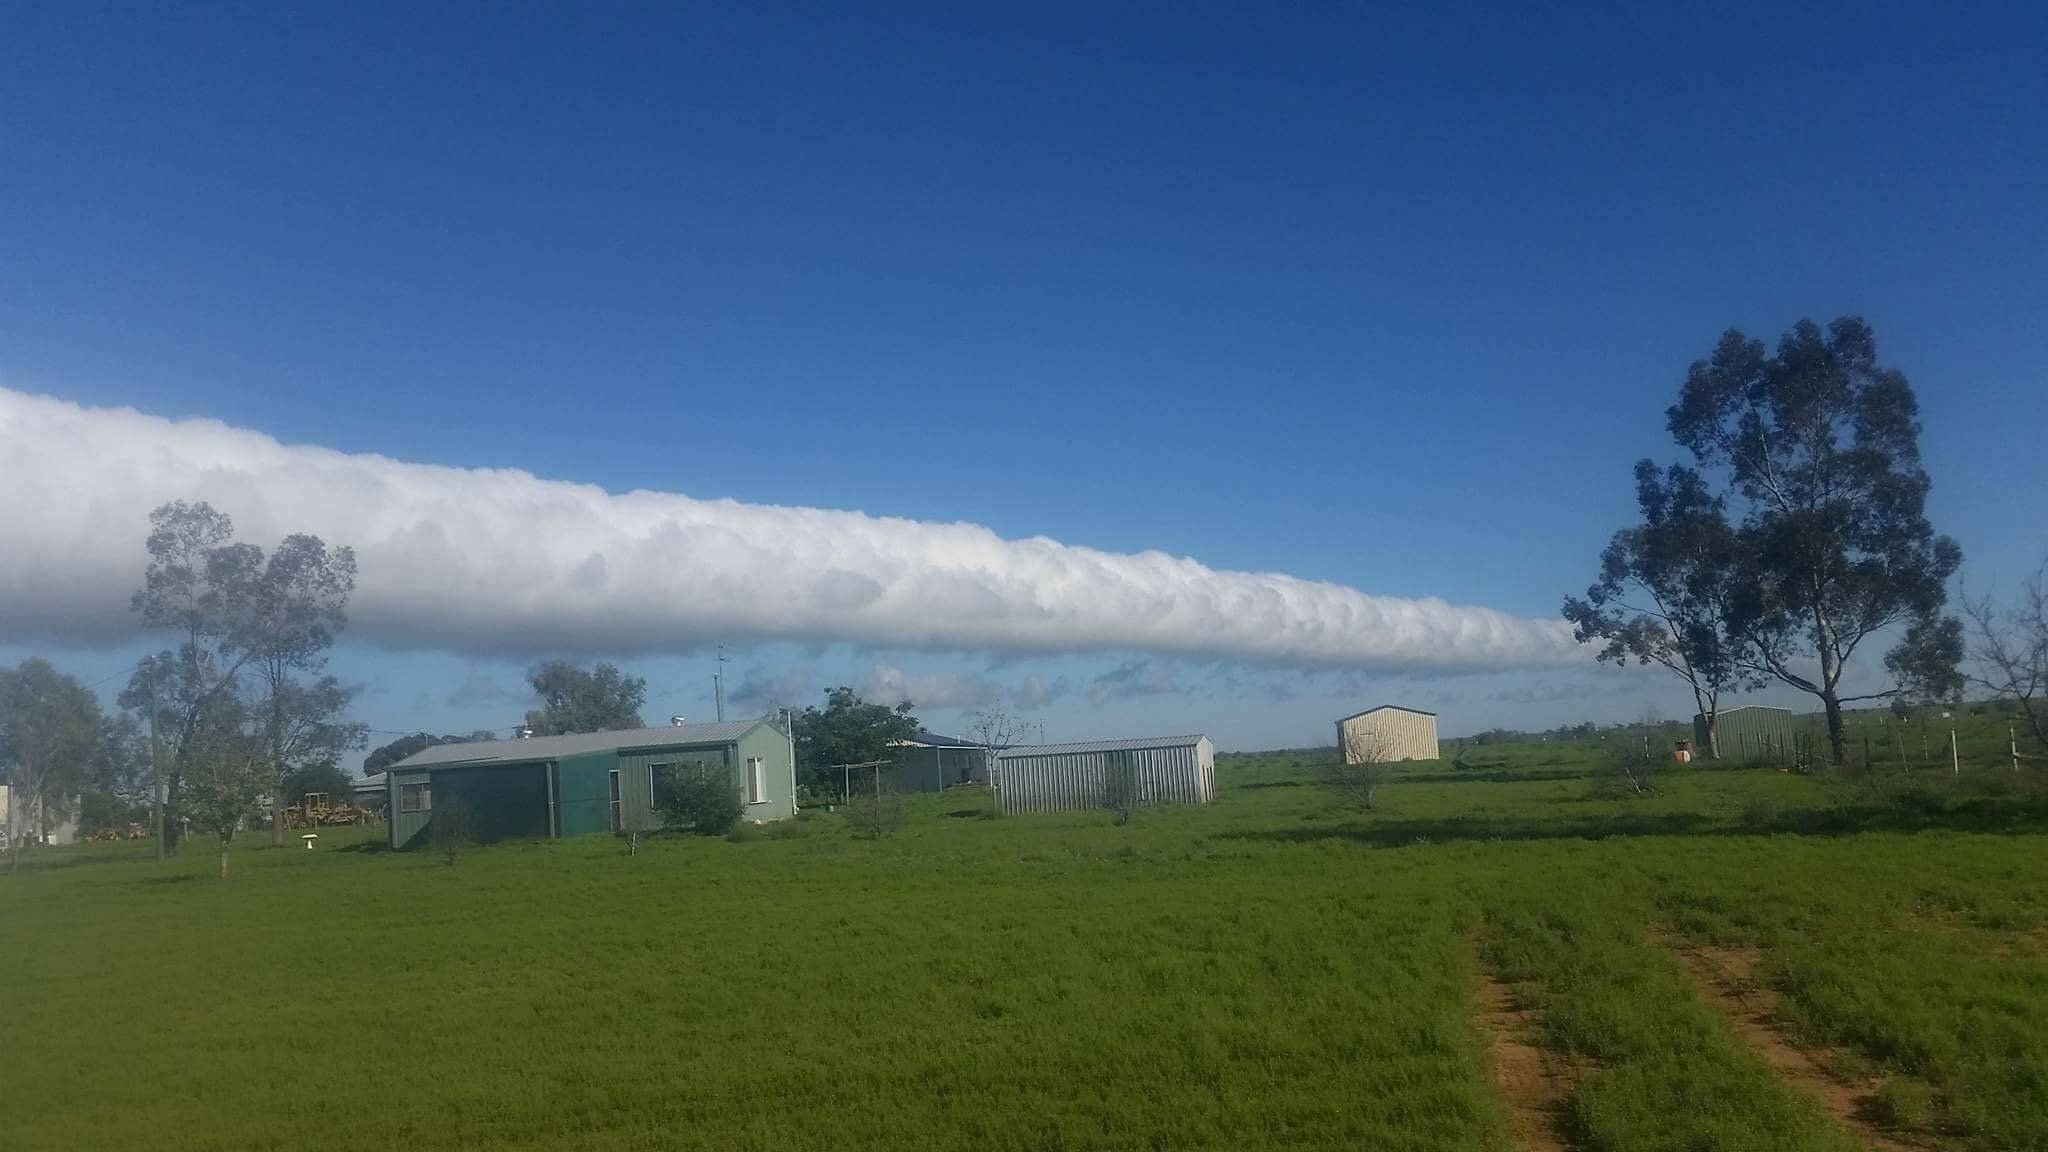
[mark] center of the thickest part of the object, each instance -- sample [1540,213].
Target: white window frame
[423,800]
[757,783]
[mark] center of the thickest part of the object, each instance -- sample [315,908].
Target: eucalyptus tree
[1666,588]
[1817,446]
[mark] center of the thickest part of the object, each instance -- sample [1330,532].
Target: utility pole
[156,785]
[718,684]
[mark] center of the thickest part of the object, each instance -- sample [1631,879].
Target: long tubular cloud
[497,561]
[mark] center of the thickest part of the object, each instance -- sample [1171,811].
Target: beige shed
[1388,732]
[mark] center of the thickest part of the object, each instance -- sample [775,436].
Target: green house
[554,786]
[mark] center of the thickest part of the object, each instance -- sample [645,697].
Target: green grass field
[1259,973]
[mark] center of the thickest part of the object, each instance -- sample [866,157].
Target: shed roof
[1385,707]
[1136,745]
[1750,708]
[576,744]
[926,738]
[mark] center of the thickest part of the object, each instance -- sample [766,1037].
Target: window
[755,783]
[415,798]
[617,824]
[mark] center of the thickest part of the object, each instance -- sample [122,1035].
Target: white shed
[1073,777]
[1388,732]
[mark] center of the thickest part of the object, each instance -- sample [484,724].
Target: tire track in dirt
[1533,1083]
[1726,980]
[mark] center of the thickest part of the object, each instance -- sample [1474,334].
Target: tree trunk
[1838,739]
[1713,734]
[223,859]
[172,825]
[276,765]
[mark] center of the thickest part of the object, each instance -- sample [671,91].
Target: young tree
[49,733]
[997,730]
[572,700]
[849,730]
[2009,651]
[451,827]
[295,607]
[1354,774]
[224,784]
[1665,589]
[1821,446]
[876,808]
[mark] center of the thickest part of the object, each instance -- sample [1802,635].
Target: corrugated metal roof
[1383,708]
[929,739]
[1137,745]
[575,744]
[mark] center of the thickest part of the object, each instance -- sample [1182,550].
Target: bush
[699,800]
[1903,1103]
[1759,814]
[743,833]
[451,827]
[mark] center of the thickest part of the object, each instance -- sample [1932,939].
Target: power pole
[156,786]
[718,684]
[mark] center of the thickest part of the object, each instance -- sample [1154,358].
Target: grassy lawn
[1260,973]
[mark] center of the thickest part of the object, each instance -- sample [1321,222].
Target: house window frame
[421,793]
[757,780]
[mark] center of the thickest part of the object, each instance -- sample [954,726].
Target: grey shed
[1078,776]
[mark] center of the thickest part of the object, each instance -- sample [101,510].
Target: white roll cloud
[501,562]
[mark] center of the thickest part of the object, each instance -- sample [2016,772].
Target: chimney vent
[675,721]
[525,733]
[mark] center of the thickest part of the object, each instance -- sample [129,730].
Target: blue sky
[1387,298]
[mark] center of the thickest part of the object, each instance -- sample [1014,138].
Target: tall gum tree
[1819,448]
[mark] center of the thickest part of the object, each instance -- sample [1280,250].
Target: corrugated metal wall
[406,827]
[506,801]
[1076,781]
[1405,735]
[583,793]
[1750,734]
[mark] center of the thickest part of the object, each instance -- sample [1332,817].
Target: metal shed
[1078,776]
[1750,733]
[930,762]
[1393,732]
[554,786]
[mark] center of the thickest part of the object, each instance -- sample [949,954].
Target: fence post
[1955,763]
[2012,744]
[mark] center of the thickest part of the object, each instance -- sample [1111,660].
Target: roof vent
[675,721]
[525,733]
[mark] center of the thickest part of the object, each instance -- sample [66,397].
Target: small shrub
[450,828]
[875,812]
[1903,1102]
[744,832]
[703,801]
[782,830]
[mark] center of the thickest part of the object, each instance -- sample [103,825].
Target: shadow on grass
[2029,814]
[972,814]
[180,878]
[1257,784]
